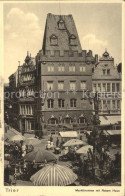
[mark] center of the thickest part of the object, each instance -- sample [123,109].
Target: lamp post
[95,134]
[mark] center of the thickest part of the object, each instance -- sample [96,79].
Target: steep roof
[62,27]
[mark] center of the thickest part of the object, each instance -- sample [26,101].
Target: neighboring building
[106,80]
[26,89]
[64,68]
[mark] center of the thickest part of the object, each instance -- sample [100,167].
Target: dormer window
[61,24]
[72,40]
[53,40]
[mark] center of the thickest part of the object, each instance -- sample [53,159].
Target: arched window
[68,120]
[61,24]
[53,40]
[82,120]
[52,121]
[72,40]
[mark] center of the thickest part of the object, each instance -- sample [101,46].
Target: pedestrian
[80,137]
[57,142]
[26,149]
[61,144]
[16,151]
[14,181]
[23,150]
[51,138]
[75,148]
[23,132]
[6,174]
[21,143]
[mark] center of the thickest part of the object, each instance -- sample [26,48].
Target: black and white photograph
[62,94]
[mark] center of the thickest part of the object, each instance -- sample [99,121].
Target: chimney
[90,52]
[27,53]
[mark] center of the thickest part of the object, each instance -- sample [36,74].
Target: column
[116,105]
[101,86]
[29,125]
[106,86]
[25,110]
[31,110]
[25,125]
[20,109]
[102,104]
[115,87]
[111,105]
[111,87]
[20,125]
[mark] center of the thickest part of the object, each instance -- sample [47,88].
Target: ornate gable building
[26,88]
[106,80]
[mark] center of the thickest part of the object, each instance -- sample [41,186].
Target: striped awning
[69,134]
[54,175]
[84,149]
[112,132]
[108,120]
[17,138]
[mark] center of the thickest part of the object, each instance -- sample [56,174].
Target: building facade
[52,86]
[26,100]
[64,72]
[106,80]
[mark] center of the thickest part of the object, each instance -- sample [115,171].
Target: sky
[99,27]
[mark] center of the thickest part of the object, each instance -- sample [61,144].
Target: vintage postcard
[62,98]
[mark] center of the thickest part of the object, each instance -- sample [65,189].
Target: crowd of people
[17,166]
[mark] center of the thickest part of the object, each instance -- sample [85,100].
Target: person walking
[51,138]
[57,142]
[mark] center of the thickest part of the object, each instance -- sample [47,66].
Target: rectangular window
[108,72]
[83,85]
[113,105]
[72,68]
[104,105]
[118,105]
[100,105]
[113,87]
[21,109]
[72,85]
[99,87]
[50,68]
[108,105]
[104,87]
[73,103]
[82,68]
[60,85]
[108,87]
[50,85]
[61,68]
[61,103]
[117,87]
[94,87]
[50,103]
[104,71]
